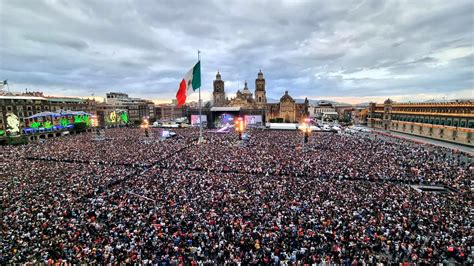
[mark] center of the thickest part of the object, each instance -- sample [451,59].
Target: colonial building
[449,121]
[243,98]
[26,105]
[249,103]
[287,109]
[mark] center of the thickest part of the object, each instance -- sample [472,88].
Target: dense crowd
[364,156]
[118,147]
[341,199]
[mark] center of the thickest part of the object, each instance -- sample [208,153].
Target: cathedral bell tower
[218,93]
[260,93]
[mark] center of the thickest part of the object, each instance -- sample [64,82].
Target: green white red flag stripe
[190,83]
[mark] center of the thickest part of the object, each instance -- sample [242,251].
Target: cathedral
[243,98]
[286,110]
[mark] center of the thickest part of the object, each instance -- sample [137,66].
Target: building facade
[256,103]
[317,111]
[448,121]
[287,110]
[136,108]
[169,112]
[23,106]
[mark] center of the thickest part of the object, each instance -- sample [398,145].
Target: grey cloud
[145,47]
[58,40]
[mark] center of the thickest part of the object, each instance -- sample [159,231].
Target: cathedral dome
[286,97]
[388,101]
[246,89]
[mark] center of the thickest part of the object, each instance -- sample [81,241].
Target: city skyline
[346,52]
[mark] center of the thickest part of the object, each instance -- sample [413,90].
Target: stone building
[256,103]
[448,121]
[243,98]
[287,109]
[25,105]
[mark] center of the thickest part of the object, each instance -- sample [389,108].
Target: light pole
[239,127]
[145,125]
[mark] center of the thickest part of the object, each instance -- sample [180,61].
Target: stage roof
[225,109]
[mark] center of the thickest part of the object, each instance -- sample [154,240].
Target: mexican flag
[190,83]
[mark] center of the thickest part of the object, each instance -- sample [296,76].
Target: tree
[21,140]
[81,127]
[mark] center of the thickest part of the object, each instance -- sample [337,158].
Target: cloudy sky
[350,51]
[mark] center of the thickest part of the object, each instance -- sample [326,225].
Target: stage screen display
[13,124]
[226,119]
[116,117]
[253,120]
[195,120]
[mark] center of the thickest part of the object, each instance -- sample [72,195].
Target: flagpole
[200,106]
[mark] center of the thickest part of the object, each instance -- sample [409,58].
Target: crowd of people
[364,156]
[344,199]
[120,146]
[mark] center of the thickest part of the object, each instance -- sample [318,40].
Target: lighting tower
[240,126]
[145,125]
[306,129]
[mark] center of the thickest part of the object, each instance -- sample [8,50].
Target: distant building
[136,108]
[243,98]
[169,112]
[330,116]
[316,111]
[359,115]
[449,121]
[253,105]
[287,109]
[25,105]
